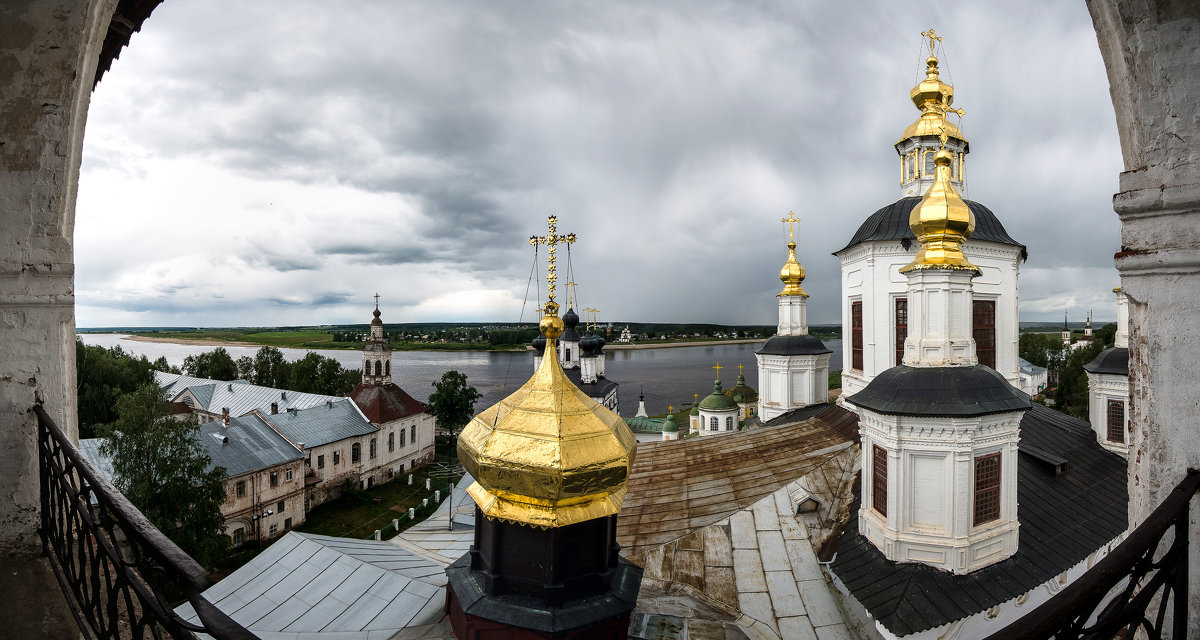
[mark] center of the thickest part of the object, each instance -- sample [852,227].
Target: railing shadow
[1138,590]
[118,573]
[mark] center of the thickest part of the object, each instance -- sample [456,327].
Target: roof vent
[300,445]
[1055,463]
[283,395]
[329,403]
[229,386]
[292,410]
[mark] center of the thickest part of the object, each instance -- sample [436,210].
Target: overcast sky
[278,163]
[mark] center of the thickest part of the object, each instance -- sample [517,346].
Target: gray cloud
[671,137]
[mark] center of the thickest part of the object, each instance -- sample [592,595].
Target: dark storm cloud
[671,137]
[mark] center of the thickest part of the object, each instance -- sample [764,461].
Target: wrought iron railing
[118,573]
[1139,590]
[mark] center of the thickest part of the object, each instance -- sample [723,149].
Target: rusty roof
[385,402]
[678,486]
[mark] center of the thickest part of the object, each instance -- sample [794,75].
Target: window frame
[240,489]
[356,453]
[321,461]
[1115,420]
[879,479]
[988,474]
[900,318]
[856,335]
[983,330]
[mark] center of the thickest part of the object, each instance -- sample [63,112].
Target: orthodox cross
[791,220]
[718,367]
[570,293]
[739,370]
[695,398]
[670,409]
[934,38]
[551,240]
[590,314]
[376,300]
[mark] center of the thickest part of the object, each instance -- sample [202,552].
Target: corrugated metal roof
[331,421]
[1064,518]
[305,587]
[1028,368]
[239,396]
[247,444]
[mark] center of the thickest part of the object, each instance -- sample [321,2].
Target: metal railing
[1130,592]
[118,573]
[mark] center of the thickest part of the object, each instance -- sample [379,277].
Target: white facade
[1108,393]
[787,382]
[871,275]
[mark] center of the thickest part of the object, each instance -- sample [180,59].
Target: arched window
[372,447]
[729,423]
[356,453]
[378,368]
[387,367]
[712,423]
[392,440]
[402,432]
[414,434]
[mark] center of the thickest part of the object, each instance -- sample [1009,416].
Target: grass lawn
[358,514]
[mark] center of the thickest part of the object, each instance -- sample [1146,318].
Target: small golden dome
[933,97]
[547,455]
[792,274]
[942,222]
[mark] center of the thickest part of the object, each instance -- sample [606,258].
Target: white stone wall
[1103,387]
[722,417]
[930,483]
[791,382]
[871,273]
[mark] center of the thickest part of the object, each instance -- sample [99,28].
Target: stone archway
[50,51]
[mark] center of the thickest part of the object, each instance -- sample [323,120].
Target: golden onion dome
[792,274]
[933,97]
[547,455]
[942,222]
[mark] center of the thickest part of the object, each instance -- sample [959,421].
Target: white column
[1122,337]
[939,318]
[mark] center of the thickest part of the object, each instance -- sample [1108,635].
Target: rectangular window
[274,479]
[403,432]
[1116,421]
[414,434]
[879,479]
[287,524]
[320,462]
[856,336]
[241,489]
[287,474]
[337,458]
[987,488]
[272,531]
[391,442]
[372,447]
[901,328]
[239,537]
[279,507]
[983,328]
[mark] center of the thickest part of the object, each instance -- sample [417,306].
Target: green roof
[718,401]
[748,394]
[645,425]
[669,425]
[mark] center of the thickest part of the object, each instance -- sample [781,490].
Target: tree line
[1065,368]
[314,373]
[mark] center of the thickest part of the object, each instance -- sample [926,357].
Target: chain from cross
[551,240]
[934,38]
[791,220]
[376,300]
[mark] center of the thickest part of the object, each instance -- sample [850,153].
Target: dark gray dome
[940,391]
[891,223]
[793,346]
[1111,360]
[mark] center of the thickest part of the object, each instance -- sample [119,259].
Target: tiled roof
[307,586]
[1063,518]
[239,396]
[679,486]
[334,420]
[891,223]
[385,402]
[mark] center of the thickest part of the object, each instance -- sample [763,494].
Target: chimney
[329,404]
[225,416]
[283,395]
[274,408]
[230,387]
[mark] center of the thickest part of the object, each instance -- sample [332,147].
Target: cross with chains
[791,220]
[551,240]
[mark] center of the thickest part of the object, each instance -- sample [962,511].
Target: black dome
[940,391]
[1111,360]
[891,223]
[793,346]
[570,319]
[539,343]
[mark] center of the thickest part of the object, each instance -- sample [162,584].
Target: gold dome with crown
[548,455]
[933,98]
[942,222]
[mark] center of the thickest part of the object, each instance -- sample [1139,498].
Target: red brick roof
[385,402]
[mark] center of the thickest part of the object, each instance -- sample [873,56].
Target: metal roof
[239,396]
[1030,369]
[793,346]
[246,445]
[334,420]
[1111,360]
[940,391]
[1064,518]
[891,223]
[310,587]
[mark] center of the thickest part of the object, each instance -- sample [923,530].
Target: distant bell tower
[377,353]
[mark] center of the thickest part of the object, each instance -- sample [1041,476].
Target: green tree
[103,375]
[270,369]
[452,402]
[216,364]
[245,368]
[314,373]
[163,469]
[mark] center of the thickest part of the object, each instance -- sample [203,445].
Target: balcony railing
[118,573]
[1139,590]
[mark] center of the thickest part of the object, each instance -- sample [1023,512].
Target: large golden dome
[942,222]
[547,455]
[934,98]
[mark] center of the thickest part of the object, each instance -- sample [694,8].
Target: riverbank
[620,346]
[433,346]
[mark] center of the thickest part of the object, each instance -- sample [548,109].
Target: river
[666,375]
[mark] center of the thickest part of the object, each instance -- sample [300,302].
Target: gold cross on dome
[590,314]
[570,294]
[695,398]
[791,220]
[934,38]
[670,409]
[739,369]
[551,240]
[718,367]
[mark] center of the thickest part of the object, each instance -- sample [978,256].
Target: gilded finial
[551,240]
[934,38]
[718,367]
[792,274]
[942,222]
[670,409]
[934,98]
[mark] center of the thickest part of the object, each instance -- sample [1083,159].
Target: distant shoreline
[620,346]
